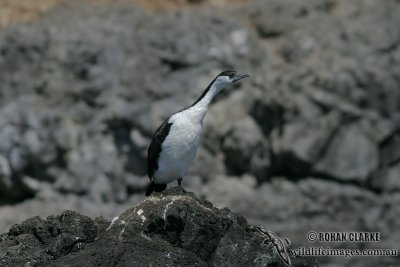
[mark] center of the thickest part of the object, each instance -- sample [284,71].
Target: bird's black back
[154,150]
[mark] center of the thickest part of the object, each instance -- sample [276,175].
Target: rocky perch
[172,228]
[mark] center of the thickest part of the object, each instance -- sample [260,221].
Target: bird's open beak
[238,77]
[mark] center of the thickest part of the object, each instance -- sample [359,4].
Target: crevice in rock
[169,229]
[305,170]
[174,64]
[273,111]
[37,170]
[389,155]
[87,96]
[120,130]
[211,256]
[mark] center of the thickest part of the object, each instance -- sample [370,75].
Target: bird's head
[227,78]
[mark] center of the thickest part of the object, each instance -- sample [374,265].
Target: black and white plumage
[174,144]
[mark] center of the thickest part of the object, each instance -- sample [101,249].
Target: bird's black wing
[154,150]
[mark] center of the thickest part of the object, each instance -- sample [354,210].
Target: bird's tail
[155,187]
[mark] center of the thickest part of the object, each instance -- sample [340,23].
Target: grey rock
[389,152]
[323,206]
[225,190]
[331,101]
[207,162]
[387,180]
[351,156]
[377,128]
[306,108]
[392,179]
[222,116]
[84,87]
[90,106]
[301,144]
[5,172]
[274,18]
[136,184]
[242,142]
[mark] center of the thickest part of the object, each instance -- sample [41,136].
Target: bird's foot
[180,185]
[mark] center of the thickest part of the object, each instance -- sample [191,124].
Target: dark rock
[36,240]
[269,114]
[171,227]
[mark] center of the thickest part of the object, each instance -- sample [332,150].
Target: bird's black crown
[229,73]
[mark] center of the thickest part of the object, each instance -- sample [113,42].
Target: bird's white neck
[199,108]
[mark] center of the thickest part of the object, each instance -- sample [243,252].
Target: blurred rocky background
[310,143]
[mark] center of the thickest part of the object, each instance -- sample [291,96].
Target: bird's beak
[238,77]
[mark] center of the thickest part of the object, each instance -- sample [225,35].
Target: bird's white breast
[179,148]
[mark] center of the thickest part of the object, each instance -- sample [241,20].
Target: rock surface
[171,228]
[311,142]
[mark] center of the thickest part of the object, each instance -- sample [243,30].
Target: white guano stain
[123,229]
[144,236]
[140,212]
[167,207]
[112,222]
